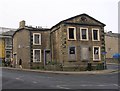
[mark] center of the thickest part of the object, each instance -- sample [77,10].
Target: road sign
[104,53]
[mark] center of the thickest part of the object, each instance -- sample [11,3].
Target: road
[13,79]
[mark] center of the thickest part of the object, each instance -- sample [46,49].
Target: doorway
[47,56]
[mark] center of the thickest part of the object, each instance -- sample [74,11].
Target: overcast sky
[47,13]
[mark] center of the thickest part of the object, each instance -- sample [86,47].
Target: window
[36,55]
[8,41]
[84,53]
[71,33]
[84,33]
[37,39]
[71,50]
[8,54]
[96,53]
[95,35]
[72,53]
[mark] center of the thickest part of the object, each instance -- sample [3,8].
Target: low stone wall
[53,67]
[112,60]
[88,67]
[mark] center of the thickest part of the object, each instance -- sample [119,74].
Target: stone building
[7,37]
[112,42]
[2,52]
[78,41]
[73,43]
[31,45]
[6,43]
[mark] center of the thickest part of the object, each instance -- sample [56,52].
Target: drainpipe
[30,50]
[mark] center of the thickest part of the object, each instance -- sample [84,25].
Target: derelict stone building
[73,43]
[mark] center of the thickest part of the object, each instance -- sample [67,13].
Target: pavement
[107,71]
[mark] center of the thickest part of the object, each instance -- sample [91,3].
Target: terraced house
[30,45]
[6,44]
[73,43]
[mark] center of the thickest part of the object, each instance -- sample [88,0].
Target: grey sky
[50,12]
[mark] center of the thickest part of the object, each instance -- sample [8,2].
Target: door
[47,56]
[14,63]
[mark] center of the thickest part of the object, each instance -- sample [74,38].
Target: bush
[53,65]
[38,67]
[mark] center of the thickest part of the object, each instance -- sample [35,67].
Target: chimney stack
[22,24]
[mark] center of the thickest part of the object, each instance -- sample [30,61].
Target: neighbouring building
[6,43]
[7,37]
[31,45]
[74,43]
[112,42]
[2,54]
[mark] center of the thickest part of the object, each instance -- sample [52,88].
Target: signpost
[104,53]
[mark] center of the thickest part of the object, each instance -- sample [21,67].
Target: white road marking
[59,86]
[34,82]
[19,79]
[88,85]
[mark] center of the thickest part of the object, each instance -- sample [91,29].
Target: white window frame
[98,34]
[86,34]
[74,33]
[34,55]
[34,38]
[98,52]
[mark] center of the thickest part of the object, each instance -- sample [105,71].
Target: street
[14,79]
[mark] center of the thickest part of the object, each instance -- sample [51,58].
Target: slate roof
[30,28]
[110,34]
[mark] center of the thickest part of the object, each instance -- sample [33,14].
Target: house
[78,41]
[2,54]
[112,42]
[6,43]
[31,45]
[74,43]
[7,37]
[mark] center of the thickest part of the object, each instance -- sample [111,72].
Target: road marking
[59,86]
[90,85]
[19,79]
[34,82]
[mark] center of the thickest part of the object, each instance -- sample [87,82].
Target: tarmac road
[18,79]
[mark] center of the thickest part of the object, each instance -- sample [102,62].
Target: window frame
[74,33]
[39,38]
[87,38]
[98,53]
[34,56]
[98,34]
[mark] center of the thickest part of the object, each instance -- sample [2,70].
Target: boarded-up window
[84,53]
[72,50]
[72,53]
